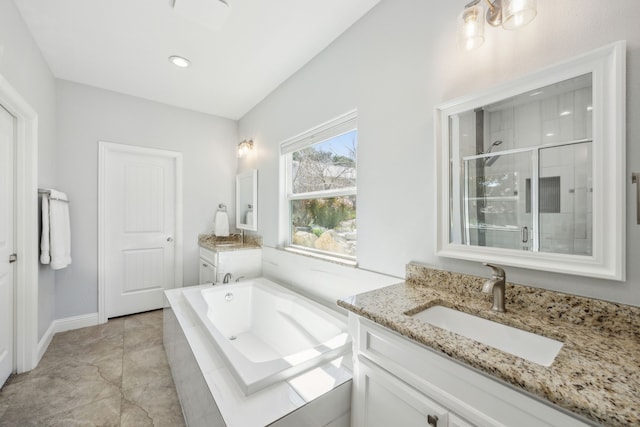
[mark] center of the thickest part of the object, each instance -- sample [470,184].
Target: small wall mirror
[247,200]
[532,171]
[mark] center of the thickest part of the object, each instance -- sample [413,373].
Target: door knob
[169,239]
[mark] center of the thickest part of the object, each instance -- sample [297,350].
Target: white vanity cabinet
[240,263]
[399,382]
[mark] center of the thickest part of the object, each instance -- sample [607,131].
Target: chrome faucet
[227,278]
[496,285]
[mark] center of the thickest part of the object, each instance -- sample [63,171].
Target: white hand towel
[60,231]
[249,218]
[221,224]
[45,257]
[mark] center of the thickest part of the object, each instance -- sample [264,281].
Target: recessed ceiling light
[179,61]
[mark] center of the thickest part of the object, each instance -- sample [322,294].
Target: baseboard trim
[44,342]
[62,325]
[76,322]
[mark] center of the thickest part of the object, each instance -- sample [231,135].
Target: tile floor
[114,374]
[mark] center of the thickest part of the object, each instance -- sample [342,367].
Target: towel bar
[47,192]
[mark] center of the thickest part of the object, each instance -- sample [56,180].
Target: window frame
[333,128]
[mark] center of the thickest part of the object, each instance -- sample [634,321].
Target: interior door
[140,226]
[7,141]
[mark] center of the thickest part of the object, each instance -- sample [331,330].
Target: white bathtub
[267,333]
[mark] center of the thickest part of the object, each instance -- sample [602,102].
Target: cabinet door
[207,272]
[382,400]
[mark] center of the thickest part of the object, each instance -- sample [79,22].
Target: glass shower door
[497,208]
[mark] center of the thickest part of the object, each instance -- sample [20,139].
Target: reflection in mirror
[526,173]
[247,200]
[531,172]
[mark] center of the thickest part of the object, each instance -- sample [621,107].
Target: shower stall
[525,177]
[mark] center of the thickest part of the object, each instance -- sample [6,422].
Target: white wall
[23,65]
[395,65]
[87,115]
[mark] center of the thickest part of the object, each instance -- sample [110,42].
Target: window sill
[321,256]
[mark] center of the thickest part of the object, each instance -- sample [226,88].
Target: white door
[139,212]
[7,138]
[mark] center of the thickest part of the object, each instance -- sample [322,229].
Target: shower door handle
[635,179]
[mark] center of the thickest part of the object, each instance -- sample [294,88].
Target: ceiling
[124,45]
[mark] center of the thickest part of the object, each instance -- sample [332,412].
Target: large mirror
[531,173]
[247,200]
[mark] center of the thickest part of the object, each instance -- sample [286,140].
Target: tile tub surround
[596,374]
[211,242]
[115,374]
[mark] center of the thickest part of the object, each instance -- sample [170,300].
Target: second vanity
[219,256]
[409,372]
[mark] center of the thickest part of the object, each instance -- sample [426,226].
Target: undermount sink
[529,346]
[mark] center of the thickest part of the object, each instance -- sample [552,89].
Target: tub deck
[211,396]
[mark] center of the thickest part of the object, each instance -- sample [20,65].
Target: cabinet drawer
[208,256]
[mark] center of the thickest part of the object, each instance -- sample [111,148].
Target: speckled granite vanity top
[230,243]
[596,374]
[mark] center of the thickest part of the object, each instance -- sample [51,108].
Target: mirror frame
[607,65]
[253,175]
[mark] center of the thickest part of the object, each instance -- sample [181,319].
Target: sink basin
[532,347]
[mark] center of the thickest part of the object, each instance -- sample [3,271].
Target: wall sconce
[510,14]
[245,147]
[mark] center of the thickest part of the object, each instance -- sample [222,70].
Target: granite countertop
[229,243]
[595,375]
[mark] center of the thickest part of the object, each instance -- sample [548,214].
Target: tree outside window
[322,195]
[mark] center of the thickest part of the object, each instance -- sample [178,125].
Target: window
[320,183]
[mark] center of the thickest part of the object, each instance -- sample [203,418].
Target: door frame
[26,227]
[104,148]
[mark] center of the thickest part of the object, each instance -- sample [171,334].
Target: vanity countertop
[596,374]
[230,243]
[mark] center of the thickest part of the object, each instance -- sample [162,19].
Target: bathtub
[267,333]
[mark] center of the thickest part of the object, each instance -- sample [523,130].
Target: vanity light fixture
[245,147]
[510,14]
[179,61]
